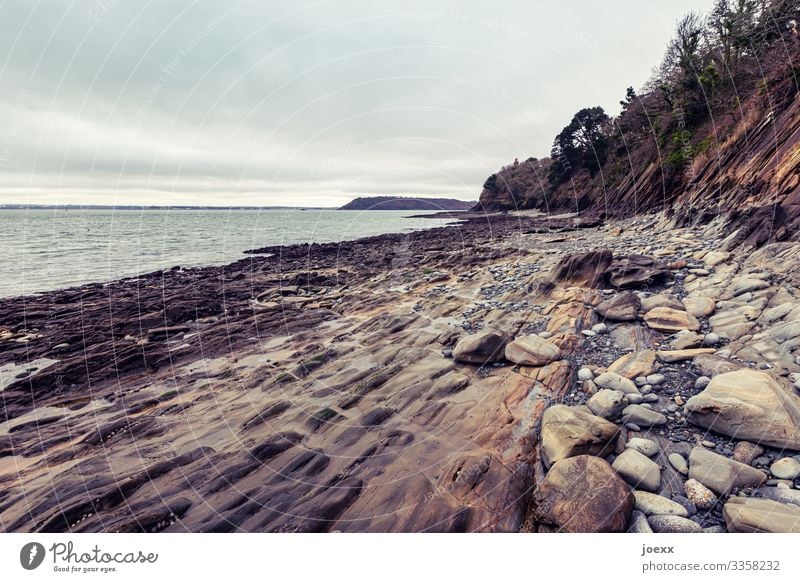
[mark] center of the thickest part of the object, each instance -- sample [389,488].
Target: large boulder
[532,350]
[748,405]
[749,515]
[583,494]
[567,432]
[622,307]
[480,348]
[670,320]
[582,269]
[721,474]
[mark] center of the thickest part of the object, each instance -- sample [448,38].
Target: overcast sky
[293,102]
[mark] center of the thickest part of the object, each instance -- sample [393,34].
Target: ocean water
[45,249]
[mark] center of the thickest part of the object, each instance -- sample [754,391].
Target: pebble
[585,374]
[712,339]
[709,444]
[651,397]
[656,379]
[786,468]
[600,328]
[639,523]
[673,524]
[679,400]
[632,427]
[646,389]
[654,504]
[546,334]
[699,494]
[588,333]
[702,382]
[684,502]
[678,463]
[634,398]
[644,446]
[640,380]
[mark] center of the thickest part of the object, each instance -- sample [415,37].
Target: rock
[644,446]
[699,494]
[161,333]
[641,416]
[699,306]
[701,382]
[600,328]
[786,468]
[656,379]
[634,398]
[480,348]
[532,350]
[711,339]
[633,427]
[673,524]
[672,356]
[634,364]
[714,258]
[607,403]
[653,504]
[568,432]
[583,494]
[670,320]
[639,523]
[654,301]
[686,339]
[585,374]
[632,271]
[613,381]
[721,474]
[746,452]
[638,470]
[751,515]
[714,365]
[742,285]
[678,463]
[750,405]
[622,307]
[779,494]
[582,269]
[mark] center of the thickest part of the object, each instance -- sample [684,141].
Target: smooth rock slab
[653,504]
[567,432]
[583,494]
[638,470]
[532,350]
[749,405]
[699,306]
[751,515]
[721,474]
[480,348]
[635,364]
[671,356]
[670,320]
[641,416]
[673,524]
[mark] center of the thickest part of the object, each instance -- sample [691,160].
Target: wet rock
[752,515]
[532,350]
[639,471]
[641,416]
[721,474]
[583,494]
[481,348]
[568,432]
[673,524]
[750,405]
[670,320]
[607,403]
[699,494]
[622,307]
[653,504]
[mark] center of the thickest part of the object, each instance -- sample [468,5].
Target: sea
[44,249]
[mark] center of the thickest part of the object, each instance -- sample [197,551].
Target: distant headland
[406,203]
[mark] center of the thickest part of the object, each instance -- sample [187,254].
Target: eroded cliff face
[743,164]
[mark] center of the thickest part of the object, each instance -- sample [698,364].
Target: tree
[583,144]
[731,25]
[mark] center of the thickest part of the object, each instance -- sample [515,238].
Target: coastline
[326,387]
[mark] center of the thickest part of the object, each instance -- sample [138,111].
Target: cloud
[111,101]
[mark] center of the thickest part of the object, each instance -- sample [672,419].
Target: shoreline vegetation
[449,379]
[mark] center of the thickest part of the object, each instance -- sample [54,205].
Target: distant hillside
[402,203]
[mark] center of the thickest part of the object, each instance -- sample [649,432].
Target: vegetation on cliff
[403,203]
[713,129]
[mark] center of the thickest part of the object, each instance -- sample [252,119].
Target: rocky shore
[510,373]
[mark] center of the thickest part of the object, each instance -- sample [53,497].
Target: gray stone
[653,504]
[585,374]
[699,494]
[786,468]
[641,416]
[645,446]
[614,381]
[721,474]
[678,463]
[750,515]
[639,523]
[638,470]
[531,350]
[673,524]
[607,403]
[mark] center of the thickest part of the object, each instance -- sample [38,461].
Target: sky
[302,103]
